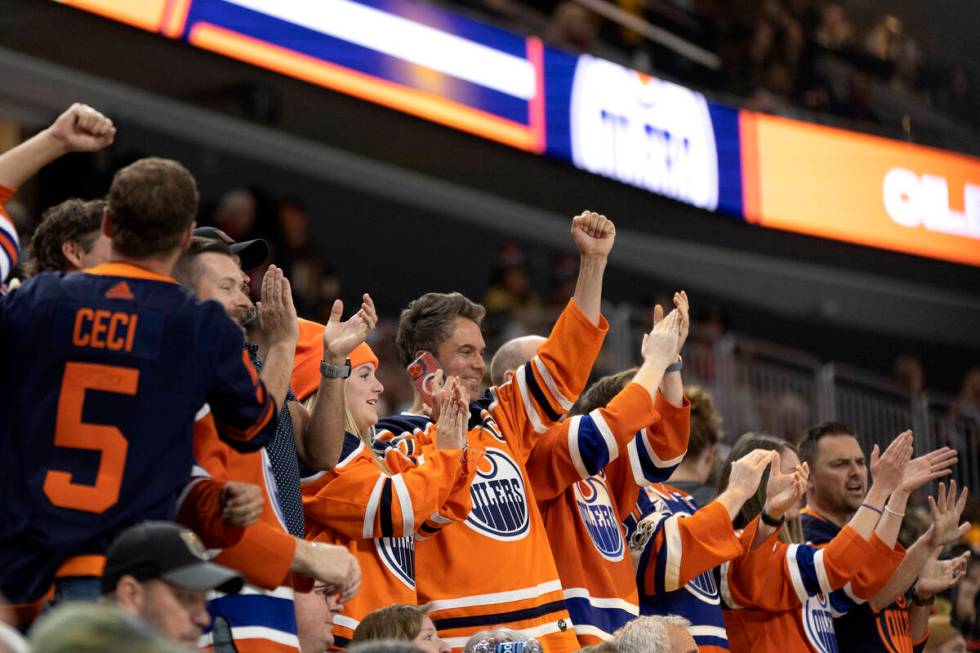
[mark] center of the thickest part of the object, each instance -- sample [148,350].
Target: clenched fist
[594,234]
[82,129]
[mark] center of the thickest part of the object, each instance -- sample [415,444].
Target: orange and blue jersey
[379,513]
[586,473]
[496,567]
[858,626]
[9,245]
[783,597]
[677,546]
[105,371]
[260,618]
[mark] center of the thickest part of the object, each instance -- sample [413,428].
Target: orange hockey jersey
[261,617]
[496,568]
[778,597]
[378,515]
[586,473]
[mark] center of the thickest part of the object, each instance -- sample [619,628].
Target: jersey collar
[127,270]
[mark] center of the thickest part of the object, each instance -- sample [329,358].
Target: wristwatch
[335,371]
[769,521]
[676,366]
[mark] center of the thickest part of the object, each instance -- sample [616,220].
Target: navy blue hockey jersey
[104,372]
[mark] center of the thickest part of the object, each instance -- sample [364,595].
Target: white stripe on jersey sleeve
[726,590]
[372,508]
[794,573]
[607,435]
[549,382]
[6,265]
[849,591]
[202,413]
[672,566]
[708,631]
[638,477]
[573,449]
[822,578]
[532,414]
[405,502]
[646,437]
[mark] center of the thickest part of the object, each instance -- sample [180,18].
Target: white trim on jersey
[822,578]
[657,460]
[495,597]
[405,502]
[202,413]
[708,631]
[849,591]
[600,602]
[672,566]
[634,456]
[607,435]
[549,382]
[345,622]
[532,414]
[278,593]
[794,573]
[573,449]
[586,629]
[726,590]
[261,632]
[372,508]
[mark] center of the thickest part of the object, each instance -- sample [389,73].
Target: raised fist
[82,129]
[594,234]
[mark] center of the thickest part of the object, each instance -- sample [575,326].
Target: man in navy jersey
[105,371]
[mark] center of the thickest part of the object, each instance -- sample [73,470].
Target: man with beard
[272,555]
[894,620]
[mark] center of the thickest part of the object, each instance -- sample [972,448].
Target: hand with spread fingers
[785,490]
[946,511]
[888,468]
[340,338]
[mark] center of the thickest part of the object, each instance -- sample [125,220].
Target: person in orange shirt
[377,505]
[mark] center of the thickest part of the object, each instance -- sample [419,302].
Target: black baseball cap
[170,552]
[252,253]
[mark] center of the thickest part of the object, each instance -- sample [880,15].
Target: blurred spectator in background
[510,297]
[573,28]
[943,637]
[884,41]
[786,415]
[967,404]
[964,598]
[315,284]
[237,214]
[90,628]
[835,31]
[907,372]
[692,474]
[69,238]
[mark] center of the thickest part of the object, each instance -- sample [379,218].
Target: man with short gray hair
[660,634]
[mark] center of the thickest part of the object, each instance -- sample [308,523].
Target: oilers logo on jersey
[818,623]
[704,588]
[398,555]
[599,517]
[500,507]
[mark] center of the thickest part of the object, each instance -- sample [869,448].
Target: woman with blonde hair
[377,504]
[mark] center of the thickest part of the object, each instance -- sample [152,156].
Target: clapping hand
[341,338]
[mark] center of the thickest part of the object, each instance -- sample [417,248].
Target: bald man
[587,471]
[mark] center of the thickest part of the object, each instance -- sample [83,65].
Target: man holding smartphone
[497,566]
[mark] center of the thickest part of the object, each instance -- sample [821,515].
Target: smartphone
[422,371]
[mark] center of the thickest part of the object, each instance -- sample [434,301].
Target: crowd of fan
[253,496]
[778,55]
